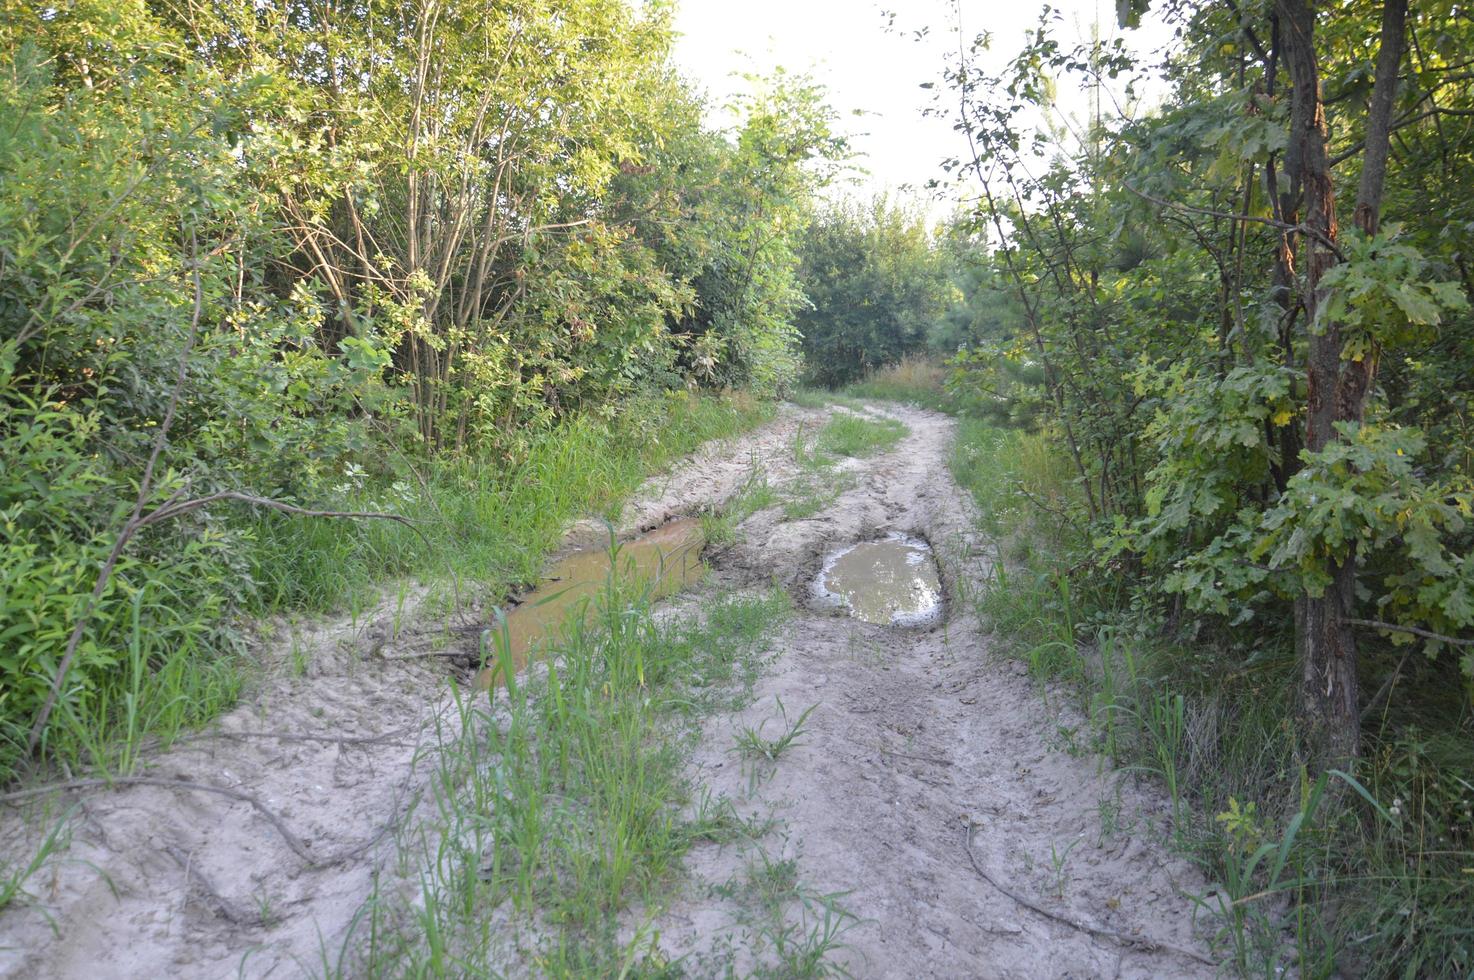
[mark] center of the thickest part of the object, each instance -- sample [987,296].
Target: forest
[302,301]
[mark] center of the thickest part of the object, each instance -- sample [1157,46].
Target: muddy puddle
[889,582]
[665,561]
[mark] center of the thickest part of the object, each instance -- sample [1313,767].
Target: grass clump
[561,801]
[720,524]
[851,435]
[753,744]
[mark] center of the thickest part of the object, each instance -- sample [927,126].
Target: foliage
[876,283]
[324,255]
[1147,297]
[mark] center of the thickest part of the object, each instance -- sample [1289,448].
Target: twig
[1385,689]
[293,737]
[934,760]
[292,840]
[223,906]
[1135,942]
[1415,631]
[1209,212]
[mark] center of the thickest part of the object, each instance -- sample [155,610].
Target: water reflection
[890,582]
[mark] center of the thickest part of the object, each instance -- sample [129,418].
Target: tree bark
[1336,387]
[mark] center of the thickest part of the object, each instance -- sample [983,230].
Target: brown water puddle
[890,582]
[665,561]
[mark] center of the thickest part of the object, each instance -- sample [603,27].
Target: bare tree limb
[1135,942]
[294,842]
[172,507]
[1271,222]
[1415,631]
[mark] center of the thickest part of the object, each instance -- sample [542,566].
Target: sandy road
[920,744]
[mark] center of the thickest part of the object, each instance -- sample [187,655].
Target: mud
[660,562]
[931,772]
[890,582]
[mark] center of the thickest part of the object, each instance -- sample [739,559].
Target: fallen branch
[223,906]
[386,738]
[1145,943]
[292,840]
[934,760]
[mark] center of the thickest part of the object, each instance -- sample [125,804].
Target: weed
[558,797]
[13,879]
[804,948]
[846,434]
[1058,859]
[720,525]
[752,744]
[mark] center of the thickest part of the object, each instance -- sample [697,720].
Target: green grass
[15,877]
[177,656]
[489,522]
[562,800]
[720,524]
[844,434]
[1322,876]
[915,379]
[753,744]
[850,435]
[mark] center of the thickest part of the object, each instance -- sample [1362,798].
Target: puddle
[666,560]
[890,582]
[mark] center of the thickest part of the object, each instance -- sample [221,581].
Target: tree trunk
[1336,387]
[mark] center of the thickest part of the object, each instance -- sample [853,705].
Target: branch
[131,527]
[171,507]
[293,841]
[1385,690]
[1132,942]
[1271,222]
[1415,631]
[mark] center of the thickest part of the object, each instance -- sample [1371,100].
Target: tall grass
[490,521]
[1366,873]
[560,801]
[916,379]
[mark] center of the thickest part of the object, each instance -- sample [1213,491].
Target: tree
[1211,345]
[877,285]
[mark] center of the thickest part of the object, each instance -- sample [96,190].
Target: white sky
[845,45]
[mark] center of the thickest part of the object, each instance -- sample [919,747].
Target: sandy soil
[921,741]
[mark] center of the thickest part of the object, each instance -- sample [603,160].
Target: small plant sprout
[754,745]
[1058,859]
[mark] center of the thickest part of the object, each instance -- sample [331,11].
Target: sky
[846,45]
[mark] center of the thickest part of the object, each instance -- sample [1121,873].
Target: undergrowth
[914,379]
[1363,873]
[167,652]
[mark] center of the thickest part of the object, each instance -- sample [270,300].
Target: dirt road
[922,742]
[932,821]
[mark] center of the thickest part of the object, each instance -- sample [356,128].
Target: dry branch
[294,842]
[1145,943]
